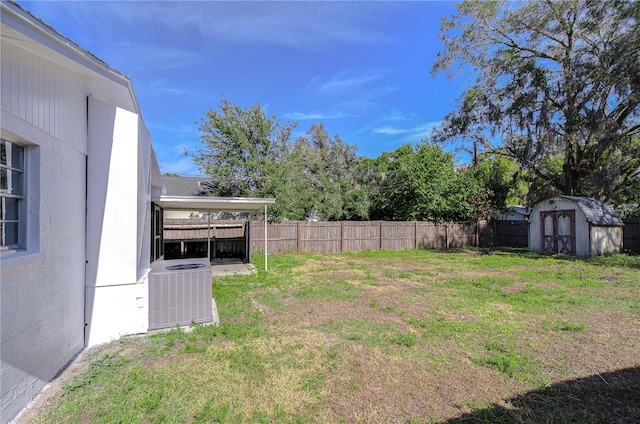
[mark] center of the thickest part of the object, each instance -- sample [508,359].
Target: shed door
[559,231]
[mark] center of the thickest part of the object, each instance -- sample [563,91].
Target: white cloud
[304,116]
[398,115]
[165,86]
[178,130]
[341,83]
[425,130]
[181,166]
[417,131]
[140,57]
[307,24]
[169,90]
[387,130]
[353,79]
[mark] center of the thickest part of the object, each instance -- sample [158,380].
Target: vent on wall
[180,293]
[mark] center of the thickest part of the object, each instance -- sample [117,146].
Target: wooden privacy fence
[515,234]
[348,236]
[228,236]
[510,233]
[631,237]
[196,229]
[189,238]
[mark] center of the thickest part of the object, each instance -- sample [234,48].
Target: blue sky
[362,68]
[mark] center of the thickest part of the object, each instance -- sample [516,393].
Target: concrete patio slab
[231,266]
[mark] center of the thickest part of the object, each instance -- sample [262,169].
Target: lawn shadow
[601,398]
[623,259]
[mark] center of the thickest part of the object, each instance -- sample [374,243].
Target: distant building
[512,213]
[186,186]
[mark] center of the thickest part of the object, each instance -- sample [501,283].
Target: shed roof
[597,212]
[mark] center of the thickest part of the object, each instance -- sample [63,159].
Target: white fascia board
[236,204]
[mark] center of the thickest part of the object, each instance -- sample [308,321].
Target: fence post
[380,235]
[495,225]
[341,236]
[298,237]
[446,236]
[415,239]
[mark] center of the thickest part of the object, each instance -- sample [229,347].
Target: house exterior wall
[535,224]
[605,240]
[42,287]
[47,87]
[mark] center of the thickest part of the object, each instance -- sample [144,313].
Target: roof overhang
[202,203]
[25,30]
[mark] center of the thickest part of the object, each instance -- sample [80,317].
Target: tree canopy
[242,149]
[557,88]
[422,183]
[331,166]
[247,153]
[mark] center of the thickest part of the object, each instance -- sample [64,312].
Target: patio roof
[202,203]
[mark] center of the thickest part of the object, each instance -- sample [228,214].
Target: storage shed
[577,226]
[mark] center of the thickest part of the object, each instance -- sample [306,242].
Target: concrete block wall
[45,91]
[42,291]
[42,287]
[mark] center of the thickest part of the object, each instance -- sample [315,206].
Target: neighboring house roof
[511,211]
[597,212]
[519,209]
[186,186]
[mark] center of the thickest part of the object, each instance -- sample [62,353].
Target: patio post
[266,241]
[209,235]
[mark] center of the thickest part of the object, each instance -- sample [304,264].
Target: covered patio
[208,205]
[180,289]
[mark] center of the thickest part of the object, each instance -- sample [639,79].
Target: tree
[422,183]
[243,149]
[557,83]
[503,177]
[329,170]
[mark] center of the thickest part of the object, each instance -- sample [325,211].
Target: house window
[157,230]
[11,195]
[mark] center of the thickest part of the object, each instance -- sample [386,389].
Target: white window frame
[11,168]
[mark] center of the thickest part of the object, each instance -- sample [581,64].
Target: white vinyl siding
[44,94]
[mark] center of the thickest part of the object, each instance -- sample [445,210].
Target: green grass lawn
[415,336]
